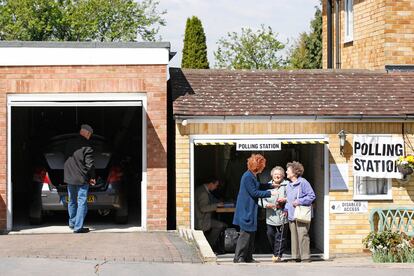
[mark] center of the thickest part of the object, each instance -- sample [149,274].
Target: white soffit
[76,99]
[31,56]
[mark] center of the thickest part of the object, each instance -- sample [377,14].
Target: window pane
[349,20]
[347,17]
[371,186]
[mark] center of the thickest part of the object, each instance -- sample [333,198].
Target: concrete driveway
[131,247]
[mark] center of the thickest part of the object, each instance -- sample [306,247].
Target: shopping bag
[302,214]
[230,239]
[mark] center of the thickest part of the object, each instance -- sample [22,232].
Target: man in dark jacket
[206,205]
[79,173]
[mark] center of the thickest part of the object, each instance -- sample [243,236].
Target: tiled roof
[291,93]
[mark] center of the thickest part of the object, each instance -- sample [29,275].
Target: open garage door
[38,128]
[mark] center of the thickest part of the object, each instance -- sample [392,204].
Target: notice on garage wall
[346,207]
[376,156]
[261,145]
[338,180]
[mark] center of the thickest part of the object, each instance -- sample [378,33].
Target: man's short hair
[210,179]
[87,128]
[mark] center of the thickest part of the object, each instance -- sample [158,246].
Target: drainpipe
[329,30]
[338,58]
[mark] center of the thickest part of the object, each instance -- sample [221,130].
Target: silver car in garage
[50,193]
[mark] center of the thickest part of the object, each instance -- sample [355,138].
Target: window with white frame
[372,188]
[349,20]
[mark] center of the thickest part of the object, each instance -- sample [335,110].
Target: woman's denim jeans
[78,205]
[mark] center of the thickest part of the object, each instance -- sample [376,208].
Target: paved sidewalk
[154,253]
[126,247]
[45,267]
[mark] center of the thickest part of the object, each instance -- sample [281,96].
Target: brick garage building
[84,73]
[372,34]
[303,110]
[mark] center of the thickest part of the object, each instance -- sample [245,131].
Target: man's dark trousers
[213,234]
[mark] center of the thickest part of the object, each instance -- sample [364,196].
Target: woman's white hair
[278,168]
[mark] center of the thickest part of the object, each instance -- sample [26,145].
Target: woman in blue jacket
[245,215]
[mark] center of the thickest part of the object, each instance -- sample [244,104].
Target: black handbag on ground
[230,239]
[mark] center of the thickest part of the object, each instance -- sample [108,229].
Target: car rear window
[54,152]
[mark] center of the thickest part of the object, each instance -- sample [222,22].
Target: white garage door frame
[285,137]
[79,99]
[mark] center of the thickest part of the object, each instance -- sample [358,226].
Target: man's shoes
[294,261]
[82,230]
[276,259]
[71,226]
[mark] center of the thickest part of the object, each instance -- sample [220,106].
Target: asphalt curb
[206,253]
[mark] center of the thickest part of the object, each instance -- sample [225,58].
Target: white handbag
[302,213]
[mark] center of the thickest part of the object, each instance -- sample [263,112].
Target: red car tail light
[115,175]
[41,176]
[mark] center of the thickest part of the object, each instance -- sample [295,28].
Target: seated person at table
[205,207]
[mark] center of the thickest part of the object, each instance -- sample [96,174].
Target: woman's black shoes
[241,260]
[252,261]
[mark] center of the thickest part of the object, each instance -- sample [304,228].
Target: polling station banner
[375,156]
[258,145]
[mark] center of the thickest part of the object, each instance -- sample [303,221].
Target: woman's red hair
[256,163]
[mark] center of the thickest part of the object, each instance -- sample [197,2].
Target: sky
[288,18]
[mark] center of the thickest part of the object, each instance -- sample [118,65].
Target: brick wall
[182,178]
[346,230]
[399,32]
[150,79]
[383,34]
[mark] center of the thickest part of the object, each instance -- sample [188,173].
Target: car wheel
[104,212]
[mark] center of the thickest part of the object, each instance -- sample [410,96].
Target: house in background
[367,34]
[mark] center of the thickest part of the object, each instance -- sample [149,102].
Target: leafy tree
[307,53]
[195,48]
[28,19]
[80,20]
[250,50]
